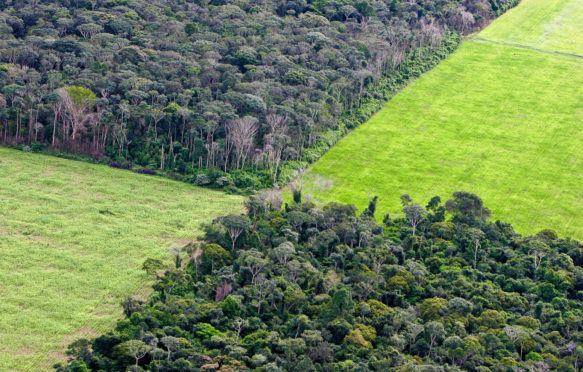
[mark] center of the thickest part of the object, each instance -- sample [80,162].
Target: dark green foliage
[372,207]
[171,81]
[326,289]
[467,207]
[152,266]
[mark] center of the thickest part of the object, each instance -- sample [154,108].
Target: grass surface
[500,121]
[555,25]
[72,238]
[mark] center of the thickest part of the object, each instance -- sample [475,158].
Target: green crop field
[501,121]
[554,25]
[73,237]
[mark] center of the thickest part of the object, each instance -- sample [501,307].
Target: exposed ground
[73,237]
[502,117]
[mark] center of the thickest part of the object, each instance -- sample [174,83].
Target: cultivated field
[501,121]
[72,239]
[553,25]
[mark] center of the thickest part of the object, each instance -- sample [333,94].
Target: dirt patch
[84,332]
[55,357]
[23,352]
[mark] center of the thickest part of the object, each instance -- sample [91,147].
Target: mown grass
[554,25]
[73,237]
[500,121]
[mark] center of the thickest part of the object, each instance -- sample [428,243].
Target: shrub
[202,180]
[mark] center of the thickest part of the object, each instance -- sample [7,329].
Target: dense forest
[217,92]
[302,288]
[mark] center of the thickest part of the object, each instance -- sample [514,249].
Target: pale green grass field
[72,239]
[503,122]
[554,25]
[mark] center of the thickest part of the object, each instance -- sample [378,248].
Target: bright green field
[72,238]
[503,122]
[555,25]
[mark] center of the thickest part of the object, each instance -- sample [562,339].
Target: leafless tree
[275,143]
[57,108]
[238,325]
[223,291]
[78,113]
[241,133]
[415,215]
[362,75]
[476,235]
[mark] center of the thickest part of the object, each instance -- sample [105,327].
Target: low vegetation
[501,121]
[73,237]
[310,289]
[553,25]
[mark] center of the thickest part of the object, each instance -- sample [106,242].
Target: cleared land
[554,25]
[73,237]
[503,122]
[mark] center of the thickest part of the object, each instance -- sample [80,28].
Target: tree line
[302,288]
[228,90]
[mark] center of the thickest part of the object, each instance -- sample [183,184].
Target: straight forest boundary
[496,119]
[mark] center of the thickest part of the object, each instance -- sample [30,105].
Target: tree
[235,225]
[57,107]
[476,236]
[284,252]
[538,250]
[253,261]
[137,349]
[275,143]
[157,116]
[435,330]
[170,343]
[239,324]
[215,255]
[413,330]
[347,11]
[415,215]
[88,30]
[241,133]
[468,207]
[261,285]
[223,290]
[355,338]
[231,307]
[362,76]
[341,302]
[294,299]
[78,102]
[372,207]
[491,319]
[472,347]
[431,308]
[437,209]
[406,200]
[517,334]
[152,266]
